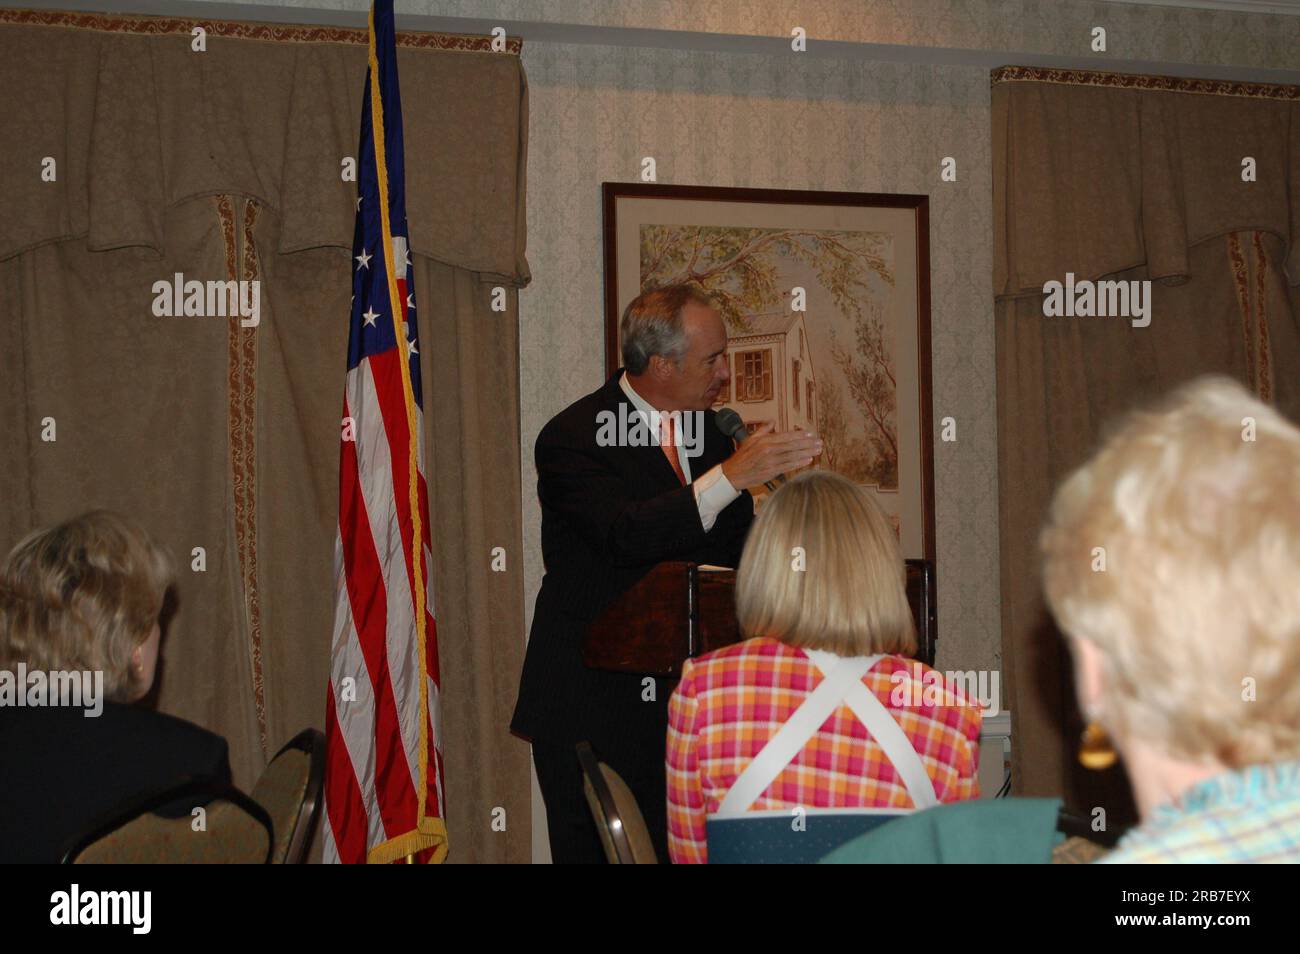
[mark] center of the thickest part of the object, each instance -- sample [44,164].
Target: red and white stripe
[375,774]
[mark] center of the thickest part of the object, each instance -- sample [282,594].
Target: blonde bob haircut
[821,569]
[82,596]
[1176,552]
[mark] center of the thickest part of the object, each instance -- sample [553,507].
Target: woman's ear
[137,658]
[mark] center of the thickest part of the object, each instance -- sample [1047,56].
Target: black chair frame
[312,742]
[1076,826]
[617,832]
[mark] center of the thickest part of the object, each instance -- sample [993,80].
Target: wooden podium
[680,610]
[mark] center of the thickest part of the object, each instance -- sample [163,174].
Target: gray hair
[652,324]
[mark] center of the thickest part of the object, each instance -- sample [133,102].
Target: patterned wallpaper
[794,123]
[1051,27]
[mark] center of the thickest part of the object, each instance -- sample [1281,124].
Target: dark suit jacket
[609,514]
[61,772]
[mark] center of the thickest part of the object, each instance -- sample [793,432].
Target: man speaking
[613,506]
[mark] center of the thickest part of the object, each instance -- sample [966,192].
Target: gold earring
[1095,749]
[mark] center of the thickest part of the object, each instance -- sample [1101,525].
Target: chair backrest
[234,829]
[623,831]
[974,831]
[789,836]
[290,790]
[921,591]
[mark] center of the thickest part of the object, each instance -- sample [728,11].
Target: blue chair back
[781,837]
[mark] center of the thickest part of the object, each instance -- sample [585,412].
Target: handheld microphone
[732,426]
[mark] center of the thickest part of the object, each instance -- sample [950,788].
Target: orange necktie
[670,450]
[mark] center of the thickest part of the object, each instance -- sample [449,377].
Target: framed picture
[826,299]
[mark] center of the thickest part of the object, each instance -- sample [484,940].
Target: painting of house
[772,377]
[827,326]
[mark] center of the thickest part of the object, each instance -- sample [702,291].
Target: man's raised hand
[766,454]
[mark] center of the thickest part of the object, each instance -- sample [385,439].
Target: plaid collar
[1263,783]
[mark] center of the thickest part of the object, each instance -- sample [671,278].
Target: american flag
[383,774]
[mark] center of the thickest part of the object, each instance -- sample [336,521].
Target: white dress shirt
[713,492]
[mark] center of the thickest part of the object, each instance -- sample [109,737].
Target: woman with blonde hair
[820,707]
[1172,563]
[79,637]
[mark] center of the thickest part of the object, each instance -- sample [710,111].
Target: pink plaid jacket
[729,703]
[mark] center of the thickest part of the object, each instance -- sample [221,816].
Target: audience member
[1172,563]
[79,635]
[820,596]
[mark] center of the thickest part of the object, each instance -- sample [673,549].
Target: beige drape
[223,440]
[1126,178]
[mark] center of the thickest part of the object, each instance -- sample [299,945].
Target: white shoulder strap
[884,728]
[790,739]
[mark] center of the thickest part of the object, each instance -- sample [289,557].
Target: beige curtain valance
[1135,178]
[1095,173]
[136,122]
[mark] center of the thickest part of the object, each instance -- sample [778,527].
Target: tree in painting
[869,370]
[742,269]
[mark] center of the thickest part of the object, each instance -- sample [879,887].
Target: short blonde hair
[82,596]
[849,597]
[1195,505]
